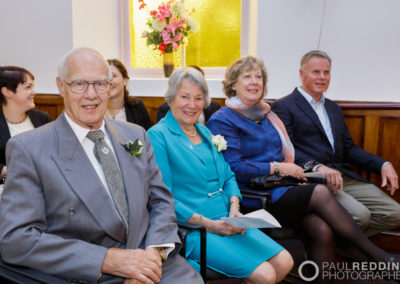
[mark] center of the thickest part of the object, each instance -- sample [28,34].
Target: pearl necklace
[191,134]
[17,122]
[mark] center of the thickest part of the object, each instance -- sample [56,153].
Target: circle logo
[300,270]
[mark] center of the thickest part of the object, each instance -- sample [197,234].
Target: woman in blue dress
[258,145]
[205,188]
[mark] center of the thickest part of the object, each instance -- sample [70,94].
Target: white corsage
[134,148]
[219,142]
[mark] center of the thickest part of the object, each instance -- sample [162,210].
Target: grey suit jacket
[55,214]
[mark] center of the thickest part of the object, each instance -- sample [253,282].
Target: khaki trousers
[372,209]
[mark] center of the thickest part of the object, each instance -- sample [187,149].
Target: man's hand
[137,265]
[334,180]
[390,180]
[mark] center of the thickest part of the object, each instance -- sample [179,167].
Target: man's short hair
[314,53]
[62,65]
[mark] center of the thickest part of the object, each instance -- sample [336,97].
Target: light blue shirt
[320,110]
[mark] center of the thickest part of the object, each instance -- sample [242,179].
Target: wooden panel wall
[376,128]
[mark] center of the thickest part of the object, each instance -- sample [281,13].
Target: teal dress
[202,182]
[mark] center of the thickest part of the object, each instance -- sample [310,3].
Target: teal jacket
[184,171]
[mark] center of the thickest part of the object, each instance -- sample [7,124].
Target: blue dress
[202,182]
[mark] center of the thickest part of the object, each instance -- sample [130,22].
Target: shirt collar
[81,132]
[310,99]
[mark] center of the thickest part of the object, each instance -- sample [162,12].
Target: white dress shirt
[88,146]
[320,110]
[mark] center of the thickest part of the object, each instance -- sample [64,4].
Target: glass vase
[168,62]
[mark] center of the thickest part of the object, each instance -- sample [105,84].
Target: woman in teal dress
[205,188]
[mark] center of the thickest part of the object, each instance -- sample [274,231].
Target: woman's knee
[264,273]
[322,190]
[282,263]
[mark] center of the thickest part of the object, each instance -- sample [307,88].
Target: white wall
[96,24]
[34,38]
[361,36]
[35,34]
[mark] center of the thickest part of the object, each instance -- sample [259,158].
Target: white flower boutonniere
[135,148]
[219,142]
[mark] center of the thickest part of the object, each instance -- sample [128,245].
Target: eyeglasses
[81,86]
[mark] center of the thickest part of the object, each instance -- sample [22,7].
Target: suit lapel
[76,168]
[35,119]
[309,111]
[180,136]
[330,109]
[215,154]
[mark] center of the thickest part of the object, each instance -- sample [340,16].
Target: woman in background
[16,113]
[205,188]
[121,106]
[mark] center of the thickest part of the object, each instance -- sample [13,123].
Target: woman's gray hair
[63,64]
[243,64]
[190,73]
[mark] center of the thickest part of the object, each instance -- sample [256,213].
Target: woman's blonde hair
[246,63]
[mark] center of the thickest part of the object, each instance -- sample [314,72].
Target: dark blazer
[137,113]
[37,117]
[164,108]
[311,143]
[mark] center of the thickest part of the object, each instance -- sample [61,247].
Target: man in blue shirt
[318,131]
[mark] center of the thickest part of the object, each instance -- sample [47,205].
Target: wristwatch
[163,255]
[276,168]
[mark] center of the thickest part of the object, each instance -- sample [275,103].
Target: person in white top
[16,111]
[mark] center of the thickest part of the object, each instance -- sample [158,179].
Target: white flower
[157,25]
[176,9]
[219,142]
[194,26]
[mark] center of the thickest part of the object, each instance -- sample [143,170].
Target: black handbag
[272,181]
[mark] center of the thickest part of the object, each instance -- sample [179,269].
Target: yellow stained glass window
[215,44]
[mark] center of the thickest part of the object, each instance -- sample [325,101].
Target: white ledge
[156,87]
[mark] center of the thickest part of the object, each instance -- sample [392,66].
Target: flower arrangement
[169,25]
[219,142]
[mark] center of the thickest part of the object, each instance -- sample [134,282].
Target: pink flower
[166,37]
[164,10]
[173,25]
[178,37]
[160,18]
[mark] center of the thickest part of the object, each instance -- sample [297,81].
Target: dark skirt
[290,209]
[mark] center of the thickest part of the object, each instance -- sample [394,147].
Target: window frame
[247,42]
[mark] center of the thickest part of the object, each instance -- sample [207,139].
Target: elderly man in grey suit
[66,211]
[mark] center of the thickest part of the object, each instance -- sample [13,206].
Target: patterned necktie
[112,173]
